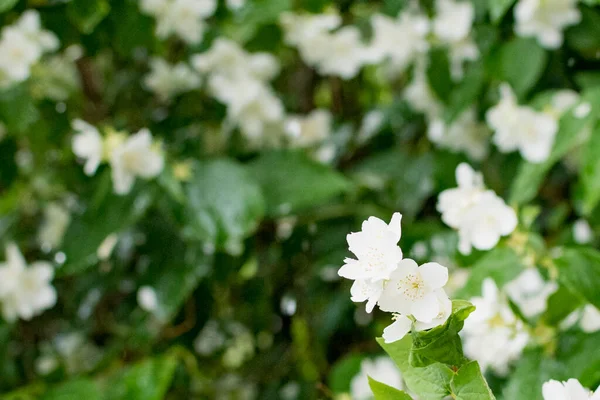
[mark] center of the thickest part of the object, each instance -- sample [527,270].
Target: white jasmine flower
[455,203]
[464,134]
[530,292]
[52,230]
[88,145]
[346,53]
[168,81]
[521,128]
[492,334]
[235,5]
[569,390]
[582,232]
[419,94]
[563,100]
[411,27]
[147,299]
[29,24]
[413,290]
[442,316]
[453,20]
[382,369]
[306,131]
[590,319]
[136,157]
[545,20]
[25,291]
[154,7]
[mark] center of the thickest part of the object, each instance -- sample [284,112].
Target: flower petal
[395,226]
[397,330]
[434,275]
[427,308]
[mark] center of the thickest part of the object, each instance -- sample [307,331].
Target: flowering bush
[183,183]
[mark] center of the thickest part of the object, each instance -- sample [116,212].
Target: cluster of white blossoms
[413,293]
[25,291]
[530,292]
[130,157]
[183,18]
[167,80]
[240,80]
[480,216]
[545,20]
[382,369]
[569,390]
[521,128]
[22,44]
[492,334]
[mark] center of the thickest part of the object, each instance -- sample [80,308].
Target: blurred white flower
[414,290]
[590,319]
[492,334]
[521,128]
[137,156]
[107,246]
[569,390]
[453,20]
[582,232]
[397,329]
[210,339]
[411,27]
[235,5]
[22,45]
[419,94]
[530,292]
[52,230]
[309,130]
[184,18]
[465,50]
[465,134]
[545,20]
[147,299]
[25,291]
[168,81]
[88,145]
[563,100]
[345,53]
[382,369]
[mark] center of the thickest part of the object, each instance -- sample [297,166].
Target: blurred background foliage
[242,243]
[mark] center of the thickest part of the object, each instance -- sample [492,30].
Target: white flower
[545,20]
[136,157]
[465,50]
[24,291]
[382,369]
[168,81]
[492,334]
[569,390]
[147,299]
[464,134]
[563,100]
[397,329]
[453,20]
[235,5]
[590,319]
[455,203]
[442,316]
[87,144]
[530,292]
[419,94]
[345,53]
[52,230]
[30,25]
[411,27]
[184,18]
[413,290]
[582,232]
[306,131]
[521,128]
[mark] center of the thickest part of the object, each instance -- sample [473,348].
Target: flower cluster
[545,20]
[569,390]
[183,18]
[25,291]
[480,216]
[129,156]
[168,81]
[22,44]
[413,293]
[240,80]
[492,334]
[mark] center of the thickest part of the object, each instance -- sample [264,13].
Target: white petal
[395,225]
[397,330]
[434,275]
[427,308]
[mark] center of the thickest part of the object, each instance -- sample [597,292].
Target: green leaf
[559,305]
[579,270]
[78,389]
[148,380]
[571,133]
[590,173]
[521,63]
[502,264]
[17,109]
[498,9]
[469,384]
[580,354]
[385,392]
[429,383]
[87,14]
[442,344]
[291,181]
[132,29]
[342,373]
[438,74]
[6,5]
[466,92]
[532,370]
[225,205]
[585,36]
